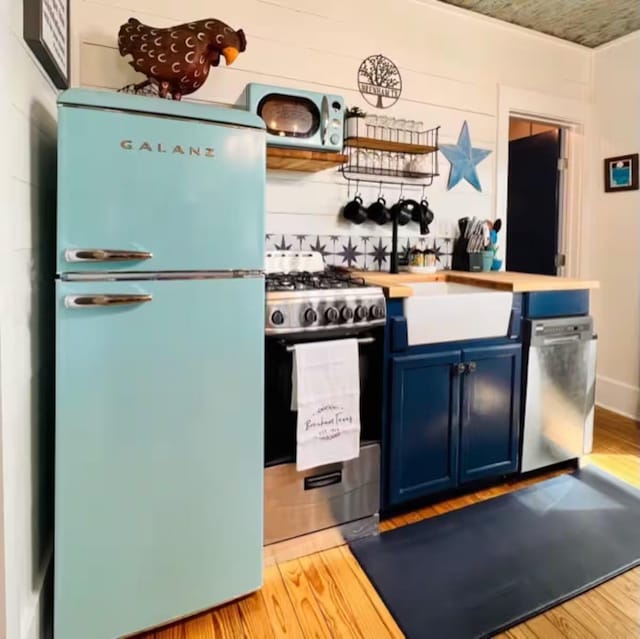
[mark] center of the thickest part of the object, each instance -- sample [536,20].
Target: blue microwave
[298,119]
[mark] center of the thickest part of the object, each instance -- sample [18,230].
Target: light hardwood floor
[326,595]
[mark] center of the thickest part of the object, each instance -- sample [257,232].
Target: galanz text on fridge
[159,147]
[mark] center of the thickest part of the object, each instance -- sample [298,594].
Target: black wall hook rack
[406,160]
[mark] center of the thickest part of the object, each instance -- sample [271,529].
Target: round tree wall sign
[379,81]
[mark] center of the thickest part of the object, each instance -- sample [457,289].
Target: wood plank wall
[452,64]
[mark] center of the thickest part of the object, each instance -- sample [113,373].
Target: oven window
[280,437]
[289,116]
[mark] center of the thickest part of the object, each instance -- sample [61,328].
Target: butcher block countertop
[500,280]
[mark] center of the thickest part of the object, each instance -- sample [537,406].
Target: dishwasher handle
[539,341]
[568,339]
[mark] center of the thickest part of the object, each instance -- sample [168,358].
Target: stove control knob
[376,312]
[277,318]
[310,316]
[346,313]
[331,314]
[361,313]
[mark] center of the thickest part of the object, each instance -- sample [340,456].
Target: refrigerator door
[141,192]
[159,451]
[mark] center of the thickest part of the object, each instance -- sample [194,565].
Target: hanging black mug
[378,211]
[404,210]
[428,213]
[423,215]
[354,211]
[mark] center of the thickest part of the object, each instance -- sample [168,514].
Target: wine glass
[371,122]
[402,130]
[383,125]
[360,157]
[410,131]
[374,160]
[385,163]
[395,163]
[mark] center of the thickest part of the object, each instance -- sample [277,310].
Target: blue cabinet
[454,418]
[425,401]
[490,412]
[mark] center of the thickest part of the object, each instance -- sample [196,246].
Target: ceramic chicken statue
[178,59]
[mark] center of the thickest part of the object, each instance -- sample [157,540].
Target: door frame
[573,117]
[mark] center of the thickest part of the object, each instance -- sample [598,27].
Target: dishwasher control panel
[577,328]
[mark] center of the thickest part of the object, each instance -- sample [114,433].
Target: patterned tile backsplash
[370,253]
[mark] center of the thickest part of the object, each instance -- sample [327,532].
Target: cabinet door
[425,398]
[490,420]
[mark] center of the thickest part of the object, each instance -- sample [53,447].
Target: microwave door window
[289,116]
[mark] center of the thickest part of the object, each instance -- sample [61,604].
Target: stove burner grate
[297,281]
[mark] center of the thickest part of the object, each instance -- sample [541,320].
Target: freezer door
[159,451]
[145,193]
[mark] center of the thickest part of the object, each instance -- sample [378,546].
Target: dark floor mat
[482,569]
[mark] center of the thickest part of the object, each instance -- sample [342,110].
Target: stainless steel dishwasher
[559,390]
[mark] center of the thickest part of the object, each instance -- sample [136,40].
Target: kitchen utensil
[428,213]
[463,222]
[486,237]
[354,211]
[473,227]
[487,260]
[497,225]
[475,261]
[403,210]
[378,211]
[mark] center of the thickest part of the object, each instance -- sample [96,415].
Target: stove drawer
[297,503]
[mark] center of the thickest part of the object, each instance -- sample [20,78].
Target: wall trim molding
[574,117]
[618,41]
[618,396]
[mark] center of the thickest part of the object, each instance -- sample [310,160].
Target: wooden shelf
[388,145]
[299,160]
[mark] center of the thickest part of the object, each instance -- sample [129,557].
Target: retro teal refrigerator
[159,361]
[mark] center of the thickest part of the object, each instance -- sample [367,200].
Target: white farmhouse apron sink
[446,312]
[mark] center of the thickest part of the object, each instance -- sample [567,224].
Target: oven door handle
[361,340]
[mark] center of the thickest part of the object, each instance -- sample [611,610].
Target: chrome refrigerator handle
[104,255]
[88,301]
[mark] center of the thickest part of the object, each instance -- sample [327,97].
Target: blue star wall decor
[463,159]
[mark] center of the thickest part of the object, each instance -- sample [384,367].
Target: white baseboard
[618,397]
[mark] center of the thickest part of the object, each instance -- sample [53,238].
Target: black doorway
[533,199]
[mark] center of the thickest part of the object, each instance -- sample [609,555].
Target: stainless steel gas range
[307,302]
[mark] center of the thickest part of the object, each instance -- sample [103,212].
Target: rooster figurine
[178,59]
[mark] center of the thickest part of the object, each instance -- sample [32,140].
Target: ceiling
[587,22]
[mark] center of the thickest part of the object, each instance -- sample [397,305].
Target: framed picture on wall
[621,173]
[46,31]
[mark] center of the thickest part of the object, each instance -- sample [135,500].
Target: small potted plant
[354,122]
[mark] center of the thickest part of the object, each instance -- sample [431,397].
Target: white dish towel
[326,394]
